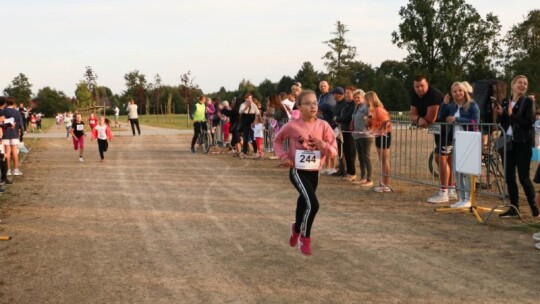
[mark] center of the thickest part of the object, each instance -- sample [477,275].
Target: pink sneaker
[293,240]
[305,245]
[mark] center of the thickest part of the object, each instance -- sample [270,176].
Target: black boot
[513,212]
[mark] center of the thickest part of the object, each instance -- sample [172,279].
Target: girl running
[77,133]
[102,132]
[92,121]
[68,121]
[311,140]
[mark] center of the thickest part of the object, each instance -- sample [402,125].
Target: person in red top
[33,122]
[379,125]
[92,121]
[311,140]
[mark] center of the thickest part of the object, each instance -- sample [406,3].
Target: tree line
[447,40]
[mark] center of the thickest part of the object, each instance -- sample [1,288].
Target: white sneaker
[440,197]
[382,189]
[452,194]
[323,171]
[81,159]
[536,236]
[17,172]
[461,204]
[537,245]
[331,171]
[9,172]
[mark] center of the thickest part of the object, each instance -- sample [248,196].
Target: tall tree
[339,57]
[19,89]
[393,84]
[84,96]
[285,84]
[50,101]
[307,76]
[157,95]
[362,76]
[394,69]
[136,87]
[188,89]
[91,83]
[444,38]
[267,87]
[522,57]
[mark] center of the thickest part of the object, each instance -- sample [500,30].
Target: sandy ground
[157,224]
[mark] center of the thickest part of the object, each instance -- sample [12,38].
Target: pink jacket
[298,132]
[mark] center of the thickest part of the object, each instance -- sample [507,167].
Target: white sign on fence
[468,150]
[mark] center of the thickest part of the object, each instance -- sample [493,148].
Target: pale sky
[220,42]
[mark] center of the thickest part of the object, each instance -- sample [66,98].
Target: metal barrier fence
[413,156]
[218,138]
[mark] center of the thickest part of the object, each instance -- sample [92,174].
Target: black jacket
[521,120]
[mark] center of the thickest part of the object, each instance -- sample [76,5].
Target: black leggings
[103,145]
[519,157]
[197,131]
[135,123]
[307,204]
[349,153]
[3,166]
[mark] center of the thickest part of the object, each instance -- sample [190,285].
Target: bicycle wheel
[432,165]
[205,137]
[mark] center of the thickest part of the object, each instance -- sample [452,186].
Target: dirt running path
[156,224]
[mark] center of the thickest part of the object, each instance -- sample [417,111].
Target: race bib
[307,160]
[92,122]
[80,127]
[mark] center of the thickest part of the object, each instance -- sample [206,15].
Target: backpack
[487,92]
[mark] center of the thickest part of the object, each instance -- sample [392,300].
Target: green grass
[172,121]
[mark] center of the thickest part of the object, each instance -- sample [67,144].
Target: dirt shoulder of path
[156,223]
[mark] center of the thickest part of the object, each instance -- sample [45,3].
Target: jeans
[463,182]
[363,148]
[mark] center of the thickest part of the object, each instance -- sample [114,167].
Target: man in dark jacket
[344,118]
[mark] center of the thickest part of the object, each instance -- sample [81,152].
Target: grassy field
[173,121]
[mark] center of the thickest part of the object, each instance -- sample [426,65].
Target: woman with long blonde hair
[517,118]
[378,123]
[462,110]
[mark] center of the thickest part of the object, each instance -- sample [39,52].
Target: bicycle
[491,160]
[203,141]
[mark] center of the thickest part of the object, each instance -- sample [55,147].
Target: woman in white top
[248,111]
[133,116]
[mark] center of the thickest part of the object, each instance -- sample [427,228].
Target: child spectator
[258,130]
[311,140]
[378,123]
[77,133]
[39,117]
[225,121]
[537,129]
[33,123]
[116,115]
[102,132]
